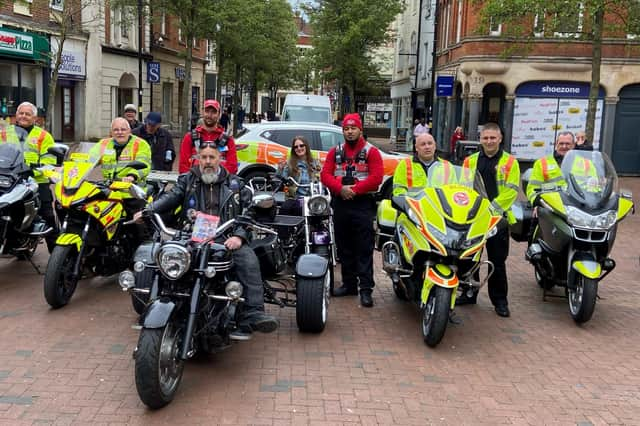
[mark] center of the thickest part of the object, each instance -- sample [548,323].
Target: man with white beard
[210,189]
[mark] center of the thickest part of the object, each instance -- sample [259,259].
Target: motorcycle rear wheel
[582,299]
[435,315]
[158,366]
[312,303]
[59,282]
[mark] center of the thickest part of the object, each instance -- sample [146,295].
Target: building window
[538,25]
[22,7]
[495,29]
[180,39]
[414,50]
[425,62]
[459,22]
[569,21]
[163,24]
[122,27]
[400,56]
[447,29]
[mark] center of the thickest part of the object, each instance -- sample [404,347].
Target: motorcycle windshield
[82,165]
[590,177]
[12,150]
[441,173]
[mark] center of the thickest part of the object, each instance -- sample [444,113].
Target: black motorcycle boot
[345,290]
[257,320]
[366,300]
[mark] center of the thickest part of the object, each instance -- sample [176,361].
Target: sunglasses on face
[298,146]
[208,145]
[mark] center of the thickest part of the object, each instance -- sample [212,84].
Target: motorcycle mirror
[60,152]
[626,193]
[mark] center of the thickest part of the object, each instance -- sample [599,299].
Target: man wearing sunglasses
[209,131]
[211,189]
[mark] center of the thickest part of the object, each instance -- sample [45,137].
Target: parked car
[265,145]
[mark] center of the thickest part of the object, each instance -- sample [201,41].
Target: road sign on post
[153,72]
[444,85]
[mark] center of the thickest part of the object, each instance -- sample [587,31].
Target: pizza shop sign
[11,42]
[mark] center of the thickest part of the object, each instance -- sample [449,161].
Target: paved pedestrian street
[369,366]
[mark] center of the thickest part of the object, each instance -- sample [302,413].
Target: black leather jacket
[190,192]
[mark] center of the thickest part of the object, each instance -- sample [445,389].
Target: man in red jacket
[353,172]
[209,131]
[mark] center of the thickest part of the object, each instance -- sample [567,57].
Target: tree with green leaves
[65,24]
[527,21]
[346,32]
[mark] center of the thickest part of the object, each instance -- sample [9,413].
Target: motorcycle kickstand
[34,265]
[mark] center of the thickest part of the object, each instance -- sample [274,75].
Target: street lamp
[140,31]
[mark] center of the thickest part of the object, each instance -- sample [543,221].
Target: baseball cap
[130,107]
[153,118]
[212,103]
[352,120]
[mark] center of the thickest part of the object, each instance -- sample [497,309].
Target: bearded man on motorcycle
[411,175]
[210,189]
[37,143]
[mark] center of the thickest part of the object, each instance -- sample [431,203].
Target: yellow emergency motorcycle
[576,227]
[95,237]
[432,239]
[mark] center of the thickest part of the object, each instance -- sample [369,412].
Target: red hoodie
[374,163]
[188,153]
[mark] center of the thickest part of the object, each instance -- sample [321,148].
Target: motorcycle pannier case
[270,255]
[523,213]
[386,223]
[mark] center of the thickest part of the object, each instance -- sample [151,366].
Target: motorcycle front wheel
[158,366]
[435,315]
[59,281]
[582,299]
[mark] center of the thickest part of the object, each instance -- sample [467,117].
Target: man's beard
[209,177]
[209,123]
[352,141]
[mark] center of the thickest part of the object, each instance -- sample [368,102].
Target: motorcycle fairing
[67,196]
[17,194]
[312,266]
[68,239]
[589,268]
[624,207]
[107,213]
[440,275]
[554,201]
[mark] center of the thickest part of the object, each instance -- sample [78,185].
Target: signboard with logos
[23,44]
[543,109]
[73,61]
[444,85]
[181,73]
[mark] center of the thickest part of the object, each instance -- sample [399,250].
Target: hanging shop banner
[73,59]
[543,109]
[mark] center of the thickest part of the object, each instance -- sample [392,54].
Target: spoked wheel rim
[170,364]
[575,296]
[427,315]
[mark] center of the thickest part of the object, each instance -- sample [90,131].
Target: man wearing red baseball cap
[353,172]
[210,132]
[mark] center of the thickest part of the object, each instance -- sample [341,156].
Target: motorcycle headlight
[233,289]
[127,280]
[318,206]
[5,182]
[577,217]
[173,260]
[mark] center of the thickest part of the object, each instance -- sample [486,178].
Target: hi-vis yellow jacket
[507,180]
[36,147]
[136,149]
[547,172]
[410,176]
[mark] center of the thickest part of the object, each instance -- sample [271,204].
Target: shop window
[22,7]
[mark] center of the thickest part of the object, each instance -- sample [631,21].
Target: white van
[311,108]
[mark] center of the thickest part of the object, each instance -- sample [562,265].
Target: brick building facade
[535,94]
